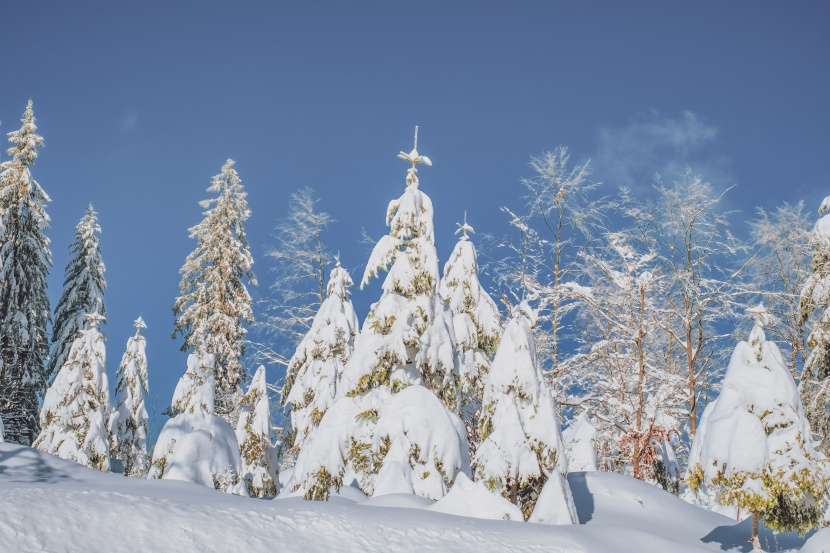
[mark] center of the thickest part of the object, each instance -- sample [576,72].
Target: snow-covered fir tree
[83,289]
[522,454]
[314,371]
[476,326]
[580,444]
[253,432]
[24,304]
[387,431]
[214,302]
[195,444]
[754,449]
[130,425]
[815,300]
[76,409]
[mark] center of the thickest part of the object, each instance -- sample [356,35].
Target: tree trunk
[756,542]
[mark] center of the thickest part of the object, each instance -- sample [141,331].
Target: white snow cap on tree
[522,446]
[195,445]
[75,410]
[579,444]
[475,323]
[253,432]
[83,288]
[131,388]
[2,431]
[314,371]
[407,341]
[755,449]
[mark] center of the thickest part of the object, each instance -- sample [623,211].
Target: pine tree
[214,303]
[75,414]
[24,304]
[253,432]
[83,289]
[131,387]
[195,444]
[476,326]
[815,300]
[522,448]
[314,371]
[755,449]
[387,430]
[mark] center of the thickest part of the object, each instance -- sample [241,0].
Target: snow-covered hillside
[49,504]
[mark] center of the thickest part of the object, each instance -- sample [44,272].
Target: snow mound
[819,543]
[473,499]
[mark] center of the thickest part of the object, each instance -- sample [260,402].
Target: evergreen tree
[314,371]
[476,326]
[253,432]
[755,449]
[131,387]
[24,304]
[386,430]
[815,300]
[83,289]
[75,414]
[522,447]
[214,303]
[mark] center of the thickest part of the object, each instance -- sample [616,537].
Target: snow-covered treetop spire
[465,228]
[95,319]
[414,158]
[758,336]
[26,140]
[139,324]
[339,282]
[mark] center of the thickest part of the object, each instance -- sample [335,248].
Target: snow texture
[253,432]
[473,499]
[579,444]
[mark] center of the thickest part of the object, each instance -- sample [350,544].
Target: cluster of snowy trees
[619,317]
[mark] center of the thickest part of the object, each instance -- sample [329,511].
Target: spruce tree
[815,300]
[131,387]
[83,289]
[476,325]
[253,432]
[24,304]
[76,409]
[754,449]
[522,450]
[214,303]
[314,371]
[389,430]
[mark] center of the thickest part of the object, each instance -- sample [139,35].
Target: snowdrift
[50,504]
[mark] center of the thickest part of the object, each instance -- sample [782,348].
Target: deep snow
[49,504]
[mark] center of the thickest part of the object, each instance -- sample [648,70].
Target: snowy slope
[49,504]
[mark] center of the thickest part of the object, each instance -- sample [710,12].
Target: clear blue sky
[140,104]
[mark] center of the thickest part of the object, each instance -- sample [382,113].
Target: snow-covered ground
[49,504]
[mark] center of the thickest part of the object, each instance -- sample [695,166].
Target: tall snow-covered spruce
[476,326]
[314,371]
[253,432]
[83,289]
[389,431]
[76,409]
[131,387]
[24,304]
[214,304]
[522,454]
[195,444]
[754,447]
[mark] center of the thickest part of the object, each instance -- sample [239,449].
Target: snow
[473,499]
[579,444]
[65,506]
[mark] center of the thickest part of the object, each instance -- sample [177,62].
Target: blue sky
[141,103]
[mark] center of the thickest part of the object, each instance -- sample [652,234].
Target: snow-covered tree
[214,303]
[476,325]
[196,445]
[24,304]
[580,444]
[253,432]
[299,260]
[314,371]
[522,448]
[815,300]
[76,409]
[83,289]
[130,425]
[406,343]
[755,449]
